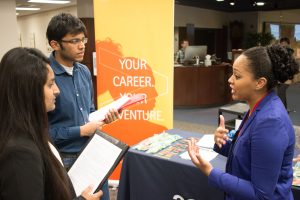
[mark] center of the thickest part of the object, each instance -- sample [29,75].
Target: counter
[200,86]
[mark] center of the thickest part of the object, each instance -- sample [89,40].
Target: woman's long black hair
[23,74]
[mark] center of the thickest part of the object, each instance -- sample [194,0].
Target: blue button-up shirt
[73,106]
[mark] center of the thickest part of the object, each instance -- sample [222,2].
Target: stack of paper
[119,104]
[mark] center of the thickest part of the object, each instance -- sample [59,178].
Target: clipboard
[96,162]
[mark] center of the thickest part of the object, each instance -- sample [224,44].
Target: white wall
[250,20]
[8,24]
[284,16]
[253,21]
[85,8]
[32,28]
[202,18]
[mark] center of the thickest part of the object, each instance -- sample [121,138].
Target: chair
[239,109]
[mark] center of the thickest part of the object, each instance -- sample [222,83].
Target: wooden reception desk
[200,86]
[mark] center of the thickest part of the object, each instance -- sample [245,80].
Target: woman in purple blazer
[259,164]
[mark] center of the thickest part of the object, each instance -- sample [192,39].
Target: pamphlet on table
[175,149]
[157,142]
[206,145]
[296,174]
[167,145]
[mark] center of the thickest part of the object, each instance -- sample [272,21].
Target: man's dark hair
[63,24]
[184,40]
[285,39]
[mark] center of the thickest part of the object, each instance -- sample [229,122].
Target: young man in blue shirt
[69,125]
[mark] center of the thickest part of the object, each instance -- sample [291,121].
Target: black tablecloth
[148,177]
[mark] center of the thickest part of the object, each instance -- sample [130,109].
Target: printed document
[207,154]
[207,141]
[93,164]
[119,104]
[206,145]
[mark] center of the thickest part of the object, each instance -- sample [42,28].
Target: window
[274,28]
[297,32]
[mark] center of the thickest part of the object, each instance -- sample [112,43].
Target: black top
[22,171]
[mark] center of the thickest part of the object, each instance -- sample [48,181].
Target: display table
[200,86]
[148,177]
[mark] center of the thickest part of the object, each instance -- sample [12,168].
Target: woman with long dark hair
[259,164]
[28,167]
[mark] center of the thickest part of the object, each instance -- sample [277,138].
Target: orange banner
[134,54]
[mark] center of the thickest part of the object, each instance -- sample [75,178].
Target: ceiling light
[232,2]
[49,1]
[260,3]
[26,8]
[220,0]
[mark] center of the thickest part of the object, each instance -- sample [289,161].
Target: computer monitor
[192,51]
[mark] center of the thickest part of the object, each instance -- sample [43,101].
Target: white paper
[93,164]
[178,65]
[237,123]
[206,145]
[99,115]
[207,141]
[94,64]
[206,154]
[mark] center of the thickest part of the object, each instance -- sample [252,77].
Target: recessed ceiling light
[232,3]
[49,1]
[220,0]
[26,8]
[260,3]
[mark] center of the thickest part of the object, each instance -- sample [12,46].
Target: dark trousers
[69,159]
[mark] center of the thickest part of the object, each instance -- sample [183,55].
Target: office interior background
[217,24]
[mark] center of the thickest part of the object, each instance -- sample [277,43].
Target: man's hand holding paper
[119,104]
[89,128]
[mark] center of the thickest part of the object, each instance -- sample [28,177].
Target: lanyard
[247,116]
[257,103]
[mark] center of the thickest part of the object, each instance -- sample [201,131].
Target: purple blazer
[259,164]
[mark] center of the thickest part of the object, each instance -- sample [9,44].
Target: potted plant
[258,39]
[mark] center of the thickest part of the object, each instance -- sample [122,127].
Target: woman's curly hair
[283,62]
[273,62]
